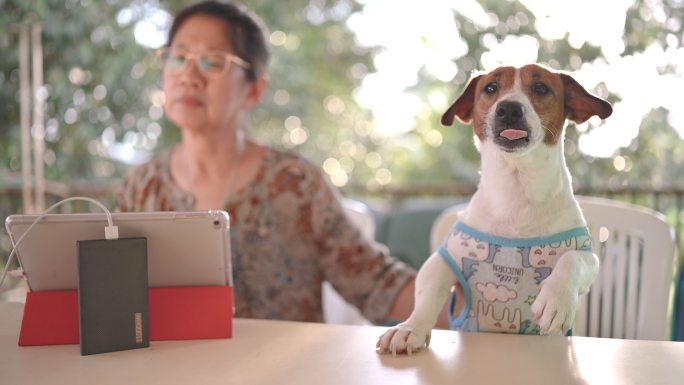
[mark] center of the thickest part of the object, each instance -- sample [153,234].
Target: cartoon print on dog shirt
[543,257]
[501,276]
[473,249]
[487,321]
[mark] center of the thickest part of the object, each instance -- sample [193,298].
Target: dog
[520,251]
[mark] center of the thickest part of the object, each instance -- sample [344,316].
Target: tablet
[183,248]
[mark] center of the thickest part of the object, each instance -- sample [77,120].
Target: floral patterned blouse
[289,233]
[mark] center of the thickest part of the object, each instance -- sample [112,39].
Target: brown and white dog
[525,192]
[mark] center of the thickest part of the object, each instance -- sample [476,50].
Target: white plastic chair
[632,294]
[361,216]
[335,309]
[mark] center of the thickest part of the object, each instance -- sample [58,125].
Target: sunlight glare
[514,50]
[662,89]
[423,34]
[151,26]
[420,34]
[555,19]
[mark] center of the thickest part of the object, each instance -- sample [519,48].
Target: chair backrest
[361,216]
[406,229]
[631,297]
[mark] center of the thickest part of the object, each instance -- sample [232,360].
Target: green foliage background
[318,68]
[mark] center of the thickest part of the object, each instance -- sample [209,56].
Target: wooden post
[38,131]
[25,117]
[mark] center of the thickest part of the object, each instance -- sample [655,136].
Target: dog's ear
[463,106]
[580,105]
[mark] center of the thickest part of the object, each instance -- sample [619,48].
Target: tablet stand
[176,313]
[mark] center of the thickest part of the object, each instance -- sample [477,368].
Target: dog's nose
[509,112]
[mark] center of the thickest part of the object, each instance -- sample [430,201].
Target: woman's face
[199,102]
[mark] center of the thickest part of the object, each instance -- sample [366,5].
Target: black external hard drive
[112,295]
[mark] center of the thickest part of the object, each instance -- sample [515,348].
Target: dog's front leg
[433,284]
[555,306]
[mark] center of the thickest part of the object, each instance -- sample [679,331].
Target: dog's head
[518,108]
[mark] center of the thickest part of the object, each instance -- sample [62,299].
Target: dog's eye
[491,88]
[540,89]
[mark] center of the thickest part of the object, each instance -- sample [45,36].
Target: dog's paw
[403,339]
[555,307]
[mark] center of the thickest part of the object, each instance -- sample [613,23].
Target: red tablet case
[176,313]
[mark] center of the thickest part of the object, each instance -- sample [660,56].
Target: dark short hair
[246,31]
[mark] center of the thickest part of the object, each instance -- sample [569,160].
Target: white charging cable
[111,231]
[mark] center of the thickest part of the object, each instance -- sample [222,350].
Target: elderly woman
[289,231]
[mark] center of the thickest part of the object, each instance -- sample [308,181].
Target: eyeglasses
[210,63]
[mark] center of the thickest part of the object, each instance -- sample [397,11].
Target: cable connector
[112,232]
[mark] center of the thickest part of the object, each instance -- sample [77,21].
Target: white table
[281,353]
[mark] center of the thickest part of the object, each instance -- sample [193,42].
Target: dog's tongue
[513,134]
